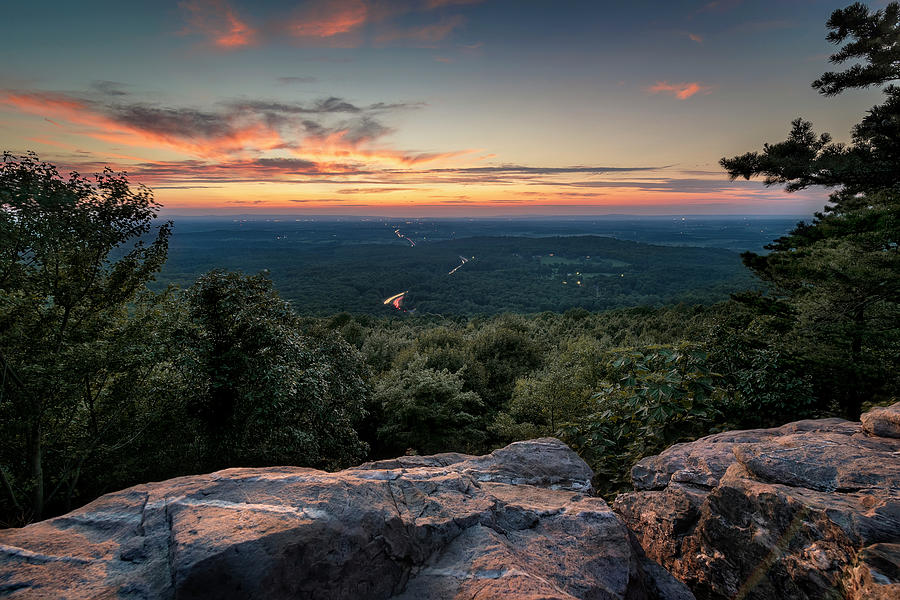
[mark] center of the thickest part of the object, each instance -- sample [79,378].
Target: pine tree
[839,275]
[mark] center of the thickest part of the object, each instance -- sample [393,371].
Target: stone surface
[876,576]
[810,510]
[883,421]
[518,523]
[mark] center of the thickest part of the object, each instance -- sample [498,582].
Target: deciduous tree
[75,255]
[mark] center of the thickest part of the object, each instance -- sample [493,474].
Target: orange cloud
[695,38]
[216,20]
[327,18]
[682,91]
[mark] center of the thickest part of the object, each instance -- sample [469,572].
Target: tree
[503,350]
[839,275]
[261,391]
[558,393]
[75,255]
[428,411]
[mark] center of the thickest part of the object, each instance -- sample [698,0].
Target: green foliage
[773,387]
[501,354]
[263,392]
[648,399]
[560,392]
[428,411]
[837,279]
[74,324]
[874,36]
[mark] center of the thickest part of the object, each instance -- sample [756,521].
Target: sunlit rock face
[518,523]
[810,510]
[883,421]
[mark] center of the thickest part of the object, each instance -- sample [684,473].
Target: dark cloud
[329,105]
[685,185]
[180,122]
[186,187]
[297,165]
[190,172]
[109,88]
[524,170]
[314,128]
[325,105]
[377,190]
[363,130]
[383,106]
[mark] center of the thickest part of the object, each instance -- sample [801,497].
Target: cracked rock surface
[809,510]
[518,523]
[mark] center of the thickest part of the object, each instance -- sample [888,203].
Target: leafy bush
[648,399]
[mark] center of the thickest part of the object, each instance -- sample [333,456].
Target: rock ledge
[518,523]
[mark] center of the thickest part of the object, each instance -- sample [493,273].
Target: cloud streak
[328,18]
[682,91]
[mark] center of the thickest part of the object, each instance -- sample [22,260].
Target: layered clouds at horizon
[422,107]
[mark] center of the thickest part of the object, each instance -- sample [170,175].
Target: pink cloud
[682,91]
[327,18]
[217,21]
[695,38]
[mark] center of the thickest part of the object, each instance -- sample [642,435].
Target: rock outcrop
[518,523]
[810,510]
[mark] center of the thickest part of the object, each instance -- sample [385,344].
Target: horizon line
[297,216]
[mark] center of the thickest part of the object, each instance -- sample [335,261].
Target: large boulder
[810,510]
[518,523]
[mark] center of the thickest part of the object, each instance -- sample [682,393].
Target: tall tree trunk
[37,470]
[856,393]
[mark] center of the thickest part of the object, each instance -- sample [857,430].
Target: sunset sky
[421,107]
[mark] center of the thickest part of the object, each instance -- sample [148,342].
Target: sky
[422,107]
